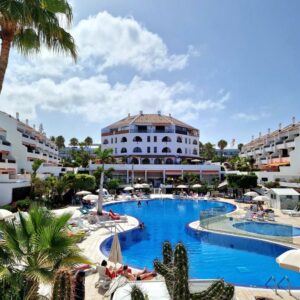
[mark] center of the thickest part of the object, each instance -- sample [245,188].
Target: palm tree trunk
[5,48]
[100,194]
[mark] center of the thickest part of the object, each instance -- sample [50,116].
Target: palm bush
[34,249]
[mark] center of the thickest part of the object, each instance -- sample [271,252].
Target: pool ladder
[277,285]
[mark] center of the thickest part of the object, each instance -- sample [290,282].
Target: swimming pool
[239,260]
[268,228]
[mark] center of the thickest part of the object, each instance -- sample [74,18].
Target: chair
[271,216]
[103,280]
[260,215]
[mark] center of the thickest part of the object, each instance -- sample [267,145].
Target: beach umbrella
[196,186]
[261,199]
[104,190]
[5,214]
[83,193]
[128,188]
[290,260]
[251,194]
[92,198]
[138,186]
[195,160]
[182,186]
[145,185]
[115,254]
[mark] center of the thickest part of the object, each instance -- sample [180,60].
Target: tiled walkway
[90,247]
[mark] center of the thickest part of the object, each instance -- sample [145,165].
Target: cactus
[63,285]
[181,283]
[175,271]
[136,293]
[167,253]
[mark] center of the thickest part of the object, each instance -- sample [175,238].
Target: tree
[208,151]
[35,166]
[41,245]
[222,145]
[74,142]
[88,141]
[81,156]
[60,142]
[28,25]
[104,156]
[52,138]
[240,146]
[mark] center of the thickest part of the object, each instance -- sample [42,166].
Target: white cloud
[52,83]
[250,116]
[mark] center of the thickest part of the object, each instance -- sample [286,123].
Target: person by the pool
[126,272]
[108,270]
[139,203]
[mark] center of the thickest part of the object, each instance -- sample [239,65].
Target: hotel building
[277,153]
[20,145]
[153,147]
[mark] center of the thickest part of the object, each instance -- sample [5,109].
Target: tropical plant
[240,146]
[113,184]
[222,144]
[136,293]
[34,249]
[174,269]
[74,142]
[35,166]
[63,288]
[88,141]
[103,156]
[208,151]
[81,156]
[28,25]
[60,142]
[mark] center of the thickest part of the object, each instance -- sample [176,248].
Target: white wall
[6,189]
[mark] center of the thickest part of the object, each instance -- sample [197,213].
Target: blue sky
[230,68]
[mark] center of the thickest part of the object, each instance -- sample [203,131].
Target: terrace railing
[215,220]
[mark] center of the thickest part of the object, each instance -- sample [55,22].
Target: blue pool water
[268,228]
[238,260]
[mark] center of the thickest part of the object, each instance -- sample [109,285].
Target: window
[166,139]
[146,161]
[137,150]
[155,139]
[195,142]
[123,150]
[169,161]
[137,139]
[195,152]
[186,140]
[135,161]
[148,149]
[155,149]
[111,140]
[179,151]
[179,139]
[166,150]
[116,140]
[148,139]
[157,161]
[116,150]
[105,142]
[124,139]
[185,151]
[189,141]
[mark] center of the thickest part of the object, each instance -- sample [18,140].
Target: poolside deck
[91,244]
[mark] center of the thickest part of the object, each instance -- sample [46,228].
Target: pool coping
[199,228]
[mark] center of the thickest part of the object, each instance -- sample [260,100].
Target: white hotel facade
[276,154]
[20,145]
[152,147]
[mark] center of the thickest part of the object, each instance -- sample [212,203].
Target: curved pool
[239,260]
[268,228]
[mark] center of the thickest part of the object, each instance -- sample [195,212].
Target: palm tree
[74,142]
[88,141]
[104,156]
[27,25]
[33,249]
[208,151]
[240,146]
[60,142]
[222,145]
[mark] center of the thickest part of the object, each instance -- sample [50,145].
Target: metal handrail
[272,278]
[288,281]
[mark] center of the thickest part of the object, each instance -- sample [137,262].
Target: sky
[230,68]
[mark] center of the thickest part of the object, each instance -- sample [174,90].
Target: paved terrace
[90,247]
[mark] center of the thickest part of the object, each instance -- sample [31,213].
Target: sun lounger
[249,215]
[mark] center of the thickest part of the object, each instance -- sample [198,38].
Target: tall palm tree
[32,250]
[27,25]
[74,142]
[104,156]
[60,142]
[88,141]
[222,145]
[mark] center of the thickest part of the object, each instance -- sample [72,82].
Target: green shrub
[7,207]
[23,204]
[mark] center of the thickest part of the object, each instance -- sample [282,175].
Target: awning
[279,164]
